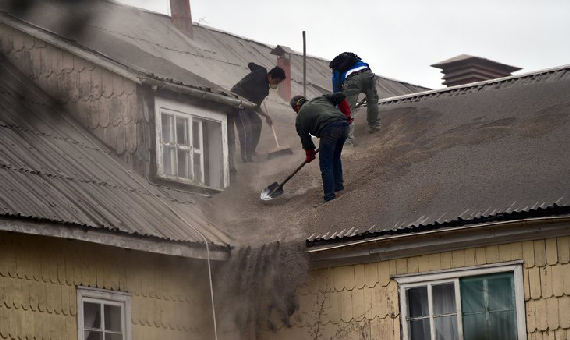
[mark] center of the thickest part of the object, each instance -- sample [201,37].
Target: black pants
[248,124]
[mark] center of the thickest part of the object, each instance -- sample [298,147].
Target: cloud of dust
[256,289]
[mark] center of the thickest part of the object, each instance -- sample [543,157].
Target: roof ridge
[479,85]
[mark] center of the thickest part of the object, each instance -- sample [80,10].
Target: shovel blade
[272,191]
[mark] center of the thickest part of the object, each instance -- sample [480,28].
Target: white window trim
[104,296]
[414,280]
[180,109]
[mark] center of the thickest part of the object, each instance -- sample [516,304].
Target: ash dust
[256,289]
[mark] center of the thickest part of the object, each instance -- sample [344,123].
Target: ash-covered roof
[496,150]
[51,170]
[150,43]
[492,150]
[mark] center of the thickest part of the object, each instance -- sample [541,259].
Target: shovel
[275,189]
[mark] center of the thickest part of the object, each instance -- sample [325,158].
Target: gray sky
[399,38]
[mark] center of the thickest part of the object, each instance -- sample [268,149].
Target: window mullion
[430,311]
[458,308]
[202,180]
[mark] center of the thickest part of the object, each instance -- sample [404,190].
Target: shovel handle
[275,136]
[294,172]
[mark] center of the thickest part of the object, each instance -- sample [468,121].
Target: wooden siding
[107,104]
[39,277]
[361,301]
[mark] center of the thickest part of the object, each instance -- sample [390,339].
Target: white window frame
[85,294]
[446,276]
[179,109]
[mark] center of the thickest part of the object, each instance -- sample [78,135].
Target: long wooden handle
[275,136]
[295,172]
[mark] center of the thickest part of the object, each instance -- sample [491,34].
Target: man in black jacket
[254,87]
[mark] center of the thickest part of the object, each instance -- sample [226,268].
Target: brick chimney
[181,15]
[465,69]
[284,61]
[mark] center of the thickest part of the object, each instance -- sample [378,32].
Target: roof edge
[113,239]
[395,99]
[438,241]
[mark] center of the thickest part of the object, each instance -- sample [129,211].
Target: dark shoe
[374,129]
[323,202]
[350,142]
[339,189]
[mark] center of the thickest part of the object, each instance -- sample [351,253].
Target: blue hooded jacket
[338,78]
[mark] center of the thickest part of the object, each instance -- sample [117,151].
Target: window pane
[92,335]
[501,293]
[419,329]
[197,167]
[169,160]
[182,131]
[418,302]
[184,164]
[91,315]
[443,299]
[167,128]
[446,328]
[112,316]
[488,307]
[474,327]
[113,336]
[196,134]
[472,296]
[502,325]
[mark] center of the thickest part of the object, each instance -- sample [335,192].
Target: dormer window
[191,145]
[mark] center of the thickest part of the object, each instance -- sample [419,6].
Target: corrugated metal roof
[50,170]
[494,150]
[149,42]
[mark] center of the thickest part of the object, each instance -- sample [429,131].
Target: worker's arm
[338,99]
[306,140]
[268,118]
[337,81]
[254,67]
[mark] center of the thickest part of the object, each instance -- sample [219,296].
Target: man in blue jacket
[352,76]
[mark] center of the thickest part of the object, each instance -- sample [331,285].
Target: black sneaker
[374,129]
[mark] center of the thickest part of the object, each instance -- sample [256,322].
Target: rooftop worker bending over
[320,117]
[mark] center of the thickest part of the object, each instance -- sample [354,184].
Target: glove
[350,119]
[310,155]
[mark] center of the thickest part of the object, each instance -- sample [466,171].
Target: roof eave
[120,240]
[440,240]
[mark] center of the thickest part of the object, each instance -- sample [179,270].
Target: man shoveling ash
[254,87]
[320,117]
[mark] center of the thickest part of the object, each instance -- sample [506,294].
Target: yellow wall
[361,301]
[39,276]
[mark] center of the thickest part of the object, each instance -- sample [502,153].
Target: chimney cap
[281,50]
[469,59]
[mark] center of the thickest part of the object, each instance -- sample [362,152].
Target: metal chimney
[465,69]
[181,16]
